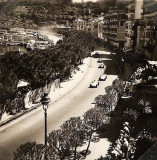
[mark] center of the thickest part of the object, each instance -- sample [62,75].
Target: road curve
[76,102]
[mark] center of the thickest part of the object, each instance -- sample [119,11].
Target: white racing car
[101,66]
[103,77]
[94,84]
[99,61]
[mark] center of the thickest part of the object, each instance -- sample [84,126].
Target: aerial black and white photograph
[78,79]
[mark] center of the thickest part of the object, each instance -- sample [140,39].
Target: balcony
[105,26]
[112,33]
[106,32]
[113,19]
[129,35]
[131,10]
[111,38]
[113,26]
[130,20]
[147,39]
[148,27]
[130,13]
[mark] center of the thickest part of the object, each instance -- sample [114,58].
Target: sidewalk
[97,149]
[55,93]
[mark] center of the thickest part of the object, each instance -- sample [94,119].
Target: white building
[100,30]
[138,9]
[129,26]
[79,24]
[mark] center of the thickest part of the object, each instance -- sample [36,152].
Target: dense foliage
[42,66]
[29,150]
[63,143]
[75,132]
[133,139]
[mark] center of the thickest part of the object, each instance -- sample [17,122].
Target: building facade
[114,27]
[79,24]
[147,30]
[130,27]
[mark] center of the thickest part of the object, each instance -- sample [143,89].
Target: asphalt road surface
[76,102]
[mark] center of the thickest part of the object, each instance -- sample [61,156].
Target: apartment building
[100,30]
[130,27]
[79,24]
[106,27]
[147,30]
[114,27]
[88,25]
[4,36]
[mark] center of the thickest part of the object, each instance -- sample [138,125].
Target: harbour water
[47,31]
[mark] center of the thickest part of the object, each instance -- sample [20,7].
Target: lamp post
[45,100]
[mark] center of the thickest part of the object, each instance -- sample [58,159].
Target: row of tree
[113,93]
[42,66]
[65,142]
[137,131]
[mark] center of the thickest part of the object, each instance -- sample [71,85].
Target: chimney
[138,9]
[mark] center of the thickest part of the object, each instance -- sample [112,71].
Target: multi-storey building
[147,33]
[114,27]
[4,36]
[106,27]
[89,25]
[130,27]
[134,16]
[100,30]
[79,24]
[138,9]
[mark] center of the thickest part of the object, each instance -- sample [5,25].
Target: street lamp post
[45,100]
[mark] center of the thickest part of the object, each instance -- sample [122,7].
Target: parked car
[101,66]
[96,53]
[99,61]
[103,77]
[94,84]
[126,96]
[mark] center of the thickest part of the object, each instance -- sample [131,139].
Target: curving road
[76,102]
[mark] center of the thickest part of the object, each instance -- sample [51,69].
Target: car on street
[101,66]
[103,77]
[96,53]
[99,61]
[126,96]
[94,84]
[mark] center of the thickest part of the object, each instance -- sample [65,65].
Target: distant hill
[8,5]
